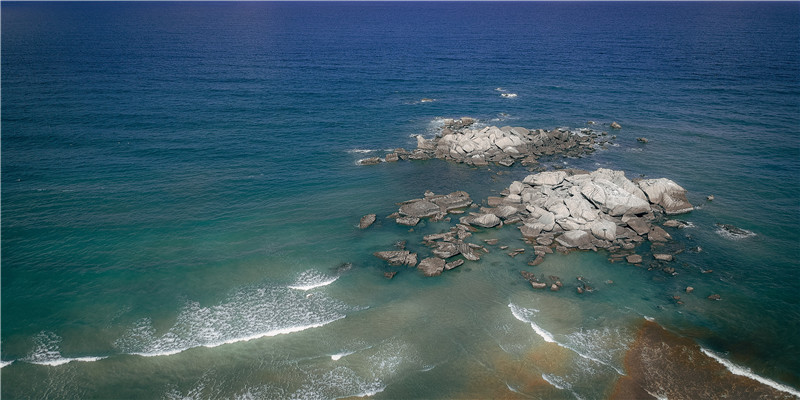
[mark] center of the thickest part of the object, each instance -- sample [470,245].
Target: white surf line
[63,360]
[338,356]
[274,332]
[550,379]
[310,286]
[742,371]
[548,337]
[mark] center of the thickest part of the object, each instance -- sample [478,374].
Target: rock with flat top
[419,209]
[431,266]
[634,259]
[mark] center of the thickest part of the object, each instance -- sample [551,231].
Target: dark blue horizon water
[170,169]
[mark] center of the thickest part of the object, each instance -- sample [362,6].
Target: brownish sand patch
[660,363]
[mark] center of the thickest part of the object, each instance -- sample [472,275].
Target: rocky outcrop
[460,141]
[366,221]
[398,257]
[431,206]
[587,210]
[666,194]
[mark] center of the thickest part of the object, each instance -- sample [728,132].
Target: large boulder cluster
[461,141]
[601,209]
[554,210]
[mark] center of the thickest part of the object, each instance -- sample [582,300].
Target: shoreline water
[176,175]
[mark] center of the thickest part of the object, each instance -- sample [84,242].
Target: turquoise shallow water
[174,175]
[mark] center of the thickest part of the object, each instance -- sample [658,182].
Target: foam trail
[741,371]
[249,313]
[560,384]
[275,332]
[314,285]
[61,361]
[338,356]
[6,363]
[548,337]
[362,151]
[368,393]
[544,334]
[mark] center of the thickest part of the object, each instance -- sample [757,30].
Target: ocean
[181,195]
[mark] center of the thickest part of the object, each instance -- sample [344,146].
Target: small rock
[715,297]
[538,285]
[536,261]
[707,271]
[453,264]
[674,223]
[689,289]
[615,125]
[657,234]
[710,197]
[409,221]
[642,139]
[370,161]
[580,290]
[390,275]
[366,221]
[663,257]
[634,259]
[503,247]
[491,242]
[486,220]
[529,276]
[554,287]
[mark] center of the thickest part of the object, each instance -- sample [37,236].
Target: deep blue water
[168,169]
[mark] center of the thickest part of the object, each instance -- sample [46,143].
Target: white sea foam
[361,161]
[557,382]
[742,371]
[368,393]
[249,313]
[733,233]
[47,352]
[6,363]
[62,360]
[547,336]
[362,151]
[312,279]
[509,95]
[605,346]
[338,356]
[523,314]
